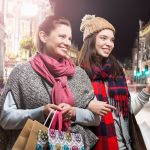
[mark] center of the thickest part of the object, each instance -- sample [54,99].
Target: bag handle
[53,121]
[61,124]
[57,118]
[49,117]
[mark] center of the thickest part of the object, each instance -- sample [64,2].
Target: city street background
[19,21]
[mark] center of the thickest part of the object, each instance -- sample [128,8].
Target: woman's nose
[67,42]
[110,43]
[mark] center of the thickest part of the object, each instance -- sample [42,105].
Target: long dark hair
[88,57]
[49,24]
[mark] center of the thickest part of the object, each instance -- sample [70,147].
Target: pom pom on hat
[91,24]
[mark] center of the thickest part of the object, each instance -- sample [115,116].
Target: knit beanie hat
[91,24]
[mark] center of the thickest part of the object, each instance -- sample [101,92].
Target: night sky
[123,14]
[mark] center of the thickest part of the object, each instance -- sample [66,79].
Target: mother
[49,81]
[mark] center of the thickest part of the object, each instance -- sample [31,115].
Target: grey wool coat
[29,91]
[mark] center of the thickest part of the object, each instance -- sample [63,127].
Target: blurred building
[21,21]
[141,52]
[18,22]
[2,42]
[73,52]
[145,49]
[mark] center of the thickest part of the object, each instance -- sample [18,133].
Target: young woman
[49,81]
[109,84]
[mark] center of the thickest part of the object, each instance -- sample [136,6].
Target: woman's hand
[100,108]
[147,89]
[51,107]
[67,111]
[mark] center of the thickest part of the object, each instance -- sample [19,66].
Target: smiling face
[57,43]
[104,43]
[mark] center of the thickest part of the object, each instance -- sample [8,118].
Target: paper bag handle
[57,118]
[48,117]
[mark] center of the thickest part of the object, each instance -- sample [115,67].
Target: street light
[29,10]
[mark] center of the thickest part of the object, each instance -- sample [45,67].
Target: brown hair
[88,57]
[49,24]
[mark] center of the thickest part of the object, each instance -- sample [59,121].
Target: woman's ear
[42,36]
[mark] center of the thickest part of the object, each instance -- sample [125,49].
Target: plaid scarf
[118,95]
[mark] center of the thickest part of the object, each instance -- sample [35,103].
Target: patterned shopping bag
[42,142]
[42,139]
[60,140]
[57,139]
[63,140]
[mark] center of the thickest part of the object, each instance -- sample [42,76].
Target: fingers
[110,107]
[64,105]
[55,107]
[67,116]
[103,111]
[67,110]
[104,108]
[68,113]
[104,104]
[50,107]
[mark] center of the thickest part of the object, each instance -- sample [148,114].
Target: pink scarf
[56,74]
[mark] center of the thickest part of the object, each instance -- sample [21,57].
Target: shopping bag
[54,139]
[42,140]
[64,140]
[137,141]
[32,140]
[58,139]
[23,136]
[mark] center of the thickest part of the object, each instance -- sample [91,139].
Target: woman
[109,84]
[48,82]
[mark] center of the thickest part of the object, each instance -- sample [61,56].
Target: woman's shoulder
[20,68]
[79,70]
[80,73]
[22,65]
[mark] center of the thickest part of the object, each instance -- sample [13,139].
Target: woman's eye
[103,38]
[62,36]
[113,40]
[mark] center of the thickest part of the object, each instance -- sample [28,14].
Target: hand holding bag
[65,140]
[58,139]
